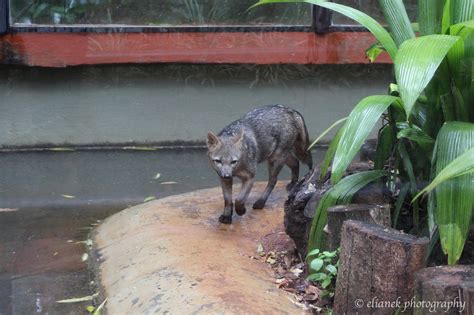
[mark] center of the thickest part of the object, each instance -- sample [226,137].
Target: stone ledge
[173,256]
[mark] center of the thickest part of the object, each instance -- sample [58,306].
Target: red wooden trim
[68,49]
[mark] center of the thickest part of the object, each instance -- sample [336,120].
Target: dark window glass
[372,8]
[158,13]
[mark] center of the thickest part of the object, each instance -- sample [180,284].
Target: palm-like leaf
[416,63]
[463,10]
[430,15]
[325,132]
[397,19]
[462,165]
[455,196]
[358,126]
[341,193]
[382,36]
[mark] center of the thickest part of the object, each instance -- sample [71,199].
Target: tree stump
[377,268]
[445,290]
[304,197]
[467,297]
[376,214]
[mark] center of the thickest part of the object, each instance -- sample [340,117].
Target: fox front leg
[247,183]
[274,168]
[226,184]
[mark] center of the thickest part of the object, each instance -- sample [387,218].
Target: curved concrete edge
[173,256]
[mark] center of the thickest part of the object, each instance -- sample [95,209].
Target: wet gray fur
[276,134]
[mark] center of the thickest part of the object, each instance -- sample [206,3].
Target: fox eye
[217,161]
[233,162]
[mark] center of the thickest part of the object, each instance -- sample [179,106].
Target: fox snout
[226,176]
[225,172]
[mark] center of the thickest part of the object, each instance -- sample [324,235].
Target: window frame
[6,27]
[73,45]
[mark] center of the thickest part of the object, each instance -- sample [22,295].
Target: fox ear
[212,140]
[238,137]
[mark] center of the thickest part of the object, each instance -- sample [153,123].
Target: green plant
[323,269]
[427,118]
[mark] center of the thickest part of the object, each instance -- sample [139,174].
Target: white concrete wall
[159,103]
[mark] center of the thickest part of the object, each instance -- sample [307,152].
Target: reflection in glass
[372,8]
[157,12]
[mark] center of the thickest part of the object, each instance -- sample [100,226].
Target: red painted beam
[68,49]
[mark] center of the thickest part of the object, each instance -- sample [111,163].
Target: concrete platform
[172,256]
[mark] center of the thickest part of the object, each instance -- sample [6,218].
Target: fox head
[224,153]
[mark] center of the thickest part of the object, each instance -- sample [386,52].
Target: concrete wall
[161,103]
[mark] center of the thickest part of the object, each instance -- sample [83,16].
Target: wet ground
[49,202]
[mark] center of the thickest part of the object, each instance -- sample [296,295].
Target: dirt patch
[278,251]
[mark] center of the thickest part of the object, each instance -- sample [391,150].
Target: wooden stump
[305,196]
[467,296]
[377,268]
[376,214]
[445,290]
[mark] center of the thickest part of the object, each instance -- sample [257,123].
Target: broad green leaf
[408,168]
[457,28]
[416,63]
[463,10]
[417,135]
[384,147]
[316,264]
[325,132]
[447,106]
[455,58]
[341,193]
[331,269]
[313,252]
[382,36]
[356,129]
[326,283]
[462,165]
[397,19]
[455,196]
[430,15]
[330,154]
[446,21]
[398,205]
[374,51]
[316,276]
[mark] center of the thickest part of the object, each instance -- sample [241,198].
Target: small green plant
[323,269]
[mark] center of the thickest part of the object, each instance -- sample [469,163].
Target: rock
[173,256]
[368,150]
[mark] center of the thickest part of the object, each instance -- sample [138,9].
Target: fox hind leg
[294,165]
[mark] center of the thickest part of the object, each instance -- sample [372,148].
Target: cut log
[445,290]
[377,268]
[304,198]
[376,214]
[467,297]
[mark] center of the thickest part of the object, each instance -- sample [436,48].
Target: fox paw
[225,219]
[259,204]
[240,208]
